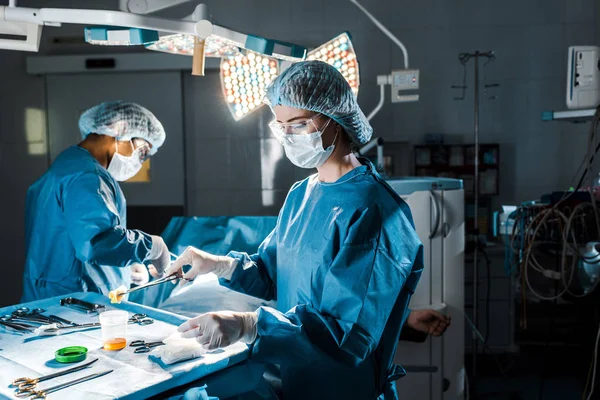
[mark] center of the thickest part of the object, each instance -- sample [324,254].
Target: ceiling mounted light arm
[223,42]
[199,55]
[202,16]
[195,34]
[148,6]
[381,81]
[29,35]
[400,81]
[59,16]
[383,29]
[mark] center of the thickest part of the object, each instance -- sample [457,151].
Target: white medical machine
[436,366]
[583,77]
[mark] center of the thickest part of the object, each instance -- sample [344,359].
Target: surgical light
[245,77]
[340,53]
[244,87]
[184,45]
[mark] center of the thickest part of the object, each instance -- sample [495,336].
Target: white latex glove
[159,257]
[215,330]
[202,263]
[139,274]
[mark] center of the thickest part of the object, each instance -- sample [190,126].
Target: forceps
[28,384]
[140,319]
[41,394]
[143,346]
[169,278]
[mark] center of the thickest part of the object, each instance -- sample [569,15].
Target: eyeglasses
[286,131]
[142,148]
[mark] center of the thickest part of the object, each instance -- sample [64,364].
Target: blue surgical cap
[317,86]
[123,120]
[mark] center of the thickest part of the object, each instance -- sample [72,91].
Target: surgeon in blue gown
[342,261]
[76,235]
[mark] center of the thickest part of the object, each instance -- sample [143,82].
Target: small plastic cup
[114,329]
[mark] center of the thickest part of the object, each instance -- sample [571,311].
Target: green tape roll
[71,354]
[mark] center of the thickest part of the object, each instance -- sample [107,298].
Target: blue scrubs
[75,230]
[342,263]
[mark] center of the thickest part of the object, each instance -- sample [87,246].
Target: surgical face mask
[305,150]
[123,168]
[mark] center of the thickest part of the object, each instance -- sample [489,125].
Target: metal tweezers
[169,278]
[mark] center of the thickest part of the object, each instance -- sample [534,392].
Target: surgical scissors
[21,311]
[41,394]
[141,319]
[143,346]
[28,384]
[26,311]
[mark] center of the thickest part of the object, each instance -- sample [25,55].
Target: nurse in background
[76,235]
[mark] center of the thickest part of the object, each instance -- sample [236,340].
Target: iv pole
[464,58]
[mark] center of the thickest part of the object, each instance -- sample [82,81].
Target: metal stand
[464,58]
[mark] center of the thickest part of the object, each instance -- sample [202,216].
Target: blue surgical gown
[75,230]
[342,263]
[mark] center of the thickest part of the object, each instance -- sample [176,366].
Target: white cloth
[47,330]
[177,349]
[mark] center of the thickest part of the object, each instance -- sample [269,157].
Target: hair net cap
[319,87]
[123,120]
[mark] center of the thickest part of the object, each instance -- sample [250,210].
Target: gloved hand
[428,321]
[139,274]
[220,329]
[202,263]
[159,257]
